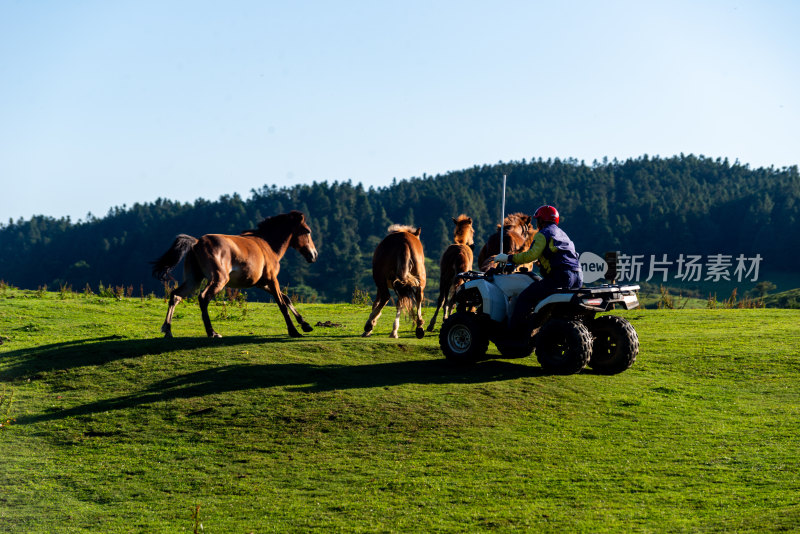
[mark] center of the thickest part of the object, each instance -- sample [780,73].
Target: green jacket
[553,249]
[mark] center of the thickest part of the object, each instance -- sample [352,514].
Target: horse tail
[162,267]
[405,279]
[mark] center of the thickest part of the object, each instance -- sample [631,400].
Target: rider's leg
[575,279]
[527,300]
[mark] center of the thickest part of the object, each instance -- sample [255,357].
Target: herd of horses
[252,259]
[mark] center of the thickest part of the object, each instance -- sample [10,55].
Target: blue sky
[111,103]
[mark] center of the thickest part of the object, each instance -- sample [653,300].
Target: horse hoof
[393,335]
[215,336]
[420,333]
[430,328]
[295,334]
[366,334]
[306,327]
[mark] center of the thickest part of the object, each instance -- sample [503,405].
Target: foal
[457,258]
[398,263]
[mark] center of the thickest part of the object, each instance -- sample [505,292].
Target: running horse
[250,259]
[399,264]
[518,234]
[457,258]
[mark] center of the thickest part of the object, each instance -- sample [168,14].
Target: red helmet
[547,213]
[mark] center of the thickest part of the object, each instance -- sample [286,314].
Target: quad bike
[563,328]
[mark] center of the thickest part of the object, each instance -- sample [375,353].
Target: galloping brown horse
[250,259]
[398,263]
[457,258]
[518,234]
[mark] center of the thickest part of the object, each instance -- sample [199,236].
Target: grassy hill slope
[784,299]
[107,427]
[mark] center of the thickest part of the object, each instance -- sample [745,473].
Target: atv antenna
[502,213]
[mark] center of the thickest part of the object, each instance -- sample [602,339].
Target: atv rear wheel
[616,344]
[563,347]
[462,339]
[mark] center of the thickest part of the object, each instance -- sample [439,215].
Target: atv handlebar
[506,268]
[500,268]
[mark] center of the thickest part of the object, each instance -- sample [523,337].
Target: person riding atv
[557,259]
[555,316]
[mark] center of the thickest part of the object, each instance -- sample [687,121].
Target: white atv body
[562,327]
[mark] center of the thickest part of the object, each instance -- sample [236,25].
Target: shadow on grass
[28,362]
[300,377]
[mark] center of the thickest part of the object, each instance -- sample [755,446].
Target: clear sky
[110,103]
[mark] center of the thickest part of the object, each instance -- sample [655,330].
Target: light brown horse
[518,234]
[398,263]
[457,258]
[250,259]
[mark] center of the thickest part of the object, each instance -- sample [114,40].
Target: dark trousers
[528,299]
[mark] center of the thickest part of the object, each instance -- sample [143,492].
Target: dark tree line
[682,204]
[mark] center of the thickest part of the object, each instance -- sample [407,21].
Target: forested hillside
[678,205]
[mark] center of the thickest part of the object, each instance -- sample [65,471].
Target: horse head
[516,231]
[463,233]
[517,234]
[301,236]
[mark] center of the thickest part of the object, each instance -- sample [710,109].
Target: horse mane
[273,221]
[403,228]
[529,239]
[461,218]
[515,219]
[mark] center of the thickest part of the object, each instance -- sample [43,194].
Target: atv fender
[556,298]
[499,295]
[494,301]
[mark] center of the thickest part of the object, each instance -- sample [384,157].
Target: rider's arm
[533,253]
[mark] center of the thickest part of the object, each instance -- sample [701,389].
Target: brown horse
[457,258]
[250,259]
[518,234]
[398,263]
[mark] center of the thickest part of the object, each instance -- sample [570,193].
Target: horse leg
[420,332]
[184,290]
[274,289]
[377,306]
[396,324]
[206,296]
[447,309]
[302,322]
[439,302]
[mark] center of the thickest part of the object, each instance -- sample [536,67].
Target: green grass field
[109,428]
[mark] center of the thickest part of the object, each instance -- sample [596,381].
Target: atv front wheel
[616,344]
[462,339]
[563,347]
